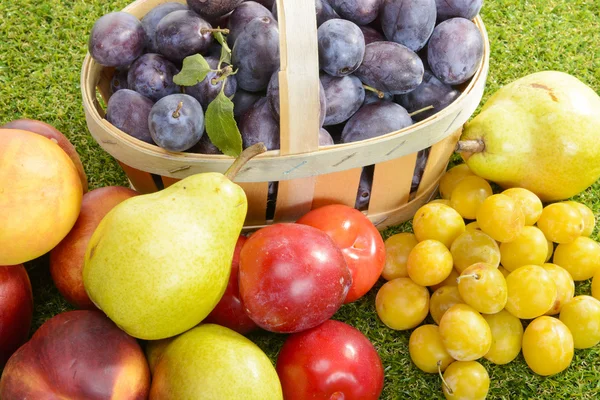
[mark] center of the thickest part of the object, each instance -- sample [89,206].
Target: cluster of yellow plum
[486,259]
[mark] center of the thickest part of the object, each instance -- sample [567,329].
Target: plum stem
[448,388]
[470,146]
[468,276]
[176,113]
[421,110]
[225,72]
[243,158]
[204,31]
[379,93]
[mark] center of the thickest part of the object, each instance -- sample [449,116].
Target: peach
[50,132]
[77,355]
[41,195]
[66,259]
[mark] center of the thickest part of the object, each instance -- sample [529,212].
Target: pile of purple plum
[385,64]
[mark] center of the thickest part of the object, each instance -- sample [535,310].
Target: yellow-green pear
[155,349]
[540,132]
[212,362]
[157,264]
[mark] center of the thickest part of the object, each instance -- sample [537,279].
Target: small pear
[157,264]
[214,362]
[155,349]
[540,132]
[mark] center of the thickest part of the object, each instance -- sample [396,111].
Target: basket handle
[298,76]
[299,100]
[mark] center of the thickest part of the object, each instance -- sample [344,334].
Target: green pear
[157,264]
[540,132]
[214,362]
[155,349]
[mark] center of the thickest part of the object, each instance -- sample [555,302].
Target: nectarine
[66,259]
[41,195]
[50,132]
[77,355]
[16,309]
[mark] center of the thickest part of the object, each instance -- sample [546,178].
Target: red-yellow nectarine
[77,355]
[50,132]
[40,195]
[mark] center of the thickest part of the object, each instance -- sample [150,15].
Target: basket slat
[404,212]
[299,100]
[391,183]
[294,199]
[438,160]
[169,181]
[140,180]
[257,194]
[337,188]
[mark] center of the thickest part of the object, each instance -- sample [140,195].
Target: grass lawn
[42,47]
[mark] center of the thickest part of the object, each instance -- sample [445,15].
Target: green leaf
[194,70]
[225,56]
[221,127]
[225,50]
[222,41]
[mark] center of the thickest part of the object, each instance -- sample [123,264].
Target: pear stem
[421,110]
[247,155]
[470,146]
[468,276]
[448,388]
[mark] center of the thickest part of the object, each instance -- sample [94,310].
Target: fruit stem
[379,93]
[470,146]
[448,388]
[475,276]
[244,157]
[421,110]
[204,31]
[225,72]
[176,113]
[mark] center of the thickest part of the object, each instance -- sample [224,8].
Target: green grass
[41,51]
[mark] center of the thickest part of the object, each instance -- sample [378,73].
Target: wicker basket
[309,176]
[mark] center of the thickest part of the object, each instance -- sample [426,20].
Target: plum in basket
[374,120]
[117,39]
[183,33]
[344,96]
[150,22]
[151,75]
[176,122]
[258,125]
[341,47]
[128,111]
[455,50]
[431,92]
